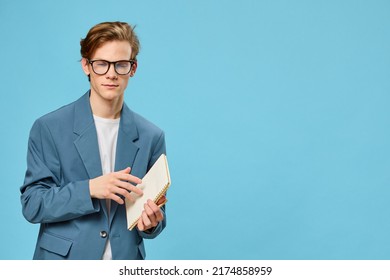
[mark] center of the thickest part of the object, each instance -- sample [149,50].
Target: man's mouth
[109,85]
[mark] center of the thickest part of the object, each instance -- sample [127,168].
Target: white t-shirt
[107,134]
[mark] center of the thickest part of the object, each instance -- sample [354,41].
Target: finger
[125,194]
[151,215]
[116,198]
[126,170]
[128,187]
[153,206]
[156,210]
[128,178]
[140,224]
[146,220]
[148,210]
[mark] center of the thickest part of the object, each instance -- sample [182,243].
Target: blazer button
[103,234]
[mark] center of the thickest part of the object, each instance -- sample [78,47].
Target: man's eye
[122,65]
[101,63]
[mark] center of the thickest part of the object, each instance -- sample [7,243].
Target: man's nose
[111,74]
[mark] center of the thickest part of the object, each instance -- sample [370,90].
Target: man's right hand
[115,184]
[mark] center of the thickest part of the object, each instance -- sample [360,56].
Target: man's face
[110,86]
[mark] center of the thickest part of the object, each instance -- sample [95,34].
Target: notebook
[154,185]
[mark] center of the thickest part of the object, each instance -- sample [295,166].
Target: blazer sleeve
[158,150]
[43,198]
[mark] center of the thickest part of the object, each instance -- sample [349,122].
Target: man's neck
[108,109]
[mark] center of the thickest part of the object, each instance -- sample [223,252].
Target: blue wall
[276,116]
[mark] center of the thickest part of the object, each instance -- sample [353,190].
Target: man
[84,158]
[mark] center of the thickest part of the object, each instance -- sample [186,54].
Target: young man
[84,158]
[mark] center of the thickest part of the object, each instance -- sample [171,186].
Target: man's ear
[84,65]
[134,69]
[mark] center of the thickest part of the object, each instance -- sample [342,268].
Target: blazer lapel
[126,149]
[86,140]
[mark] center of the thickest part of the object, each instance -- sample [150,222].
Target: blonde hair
[106,32]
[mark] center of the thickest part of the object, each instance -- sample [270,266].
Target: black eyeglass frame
[132,62]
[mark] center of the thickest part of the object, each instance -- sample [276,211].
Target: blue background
[276,116]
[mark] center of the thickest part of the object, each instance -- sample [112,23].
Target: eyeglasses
[101,67]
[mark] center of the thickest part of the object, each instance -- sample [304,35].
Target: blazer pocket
[55,244]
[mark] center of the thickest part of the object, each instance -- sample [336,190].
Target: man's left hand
[151,215]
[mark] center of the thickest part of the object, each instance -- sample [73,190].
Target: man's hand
[151,215]
[112,185]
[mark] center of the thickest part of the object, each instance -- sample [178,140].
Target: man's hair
[106,32]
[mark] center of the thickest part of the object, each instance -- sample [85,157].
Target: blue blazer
[63,155]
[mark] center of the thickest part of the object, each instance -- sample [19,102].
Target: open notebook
[154,185]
